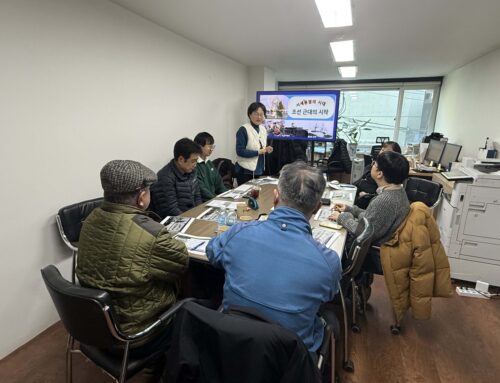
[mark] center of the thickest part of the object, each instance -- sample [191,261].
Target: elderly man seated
[126,252]
[275,266]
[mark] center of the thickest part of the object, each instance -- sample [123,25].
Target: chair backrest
[340,156]
[223,347]
[375,150]
[86,313]
[359,248]
[227,171]
[426,191]
[71,217]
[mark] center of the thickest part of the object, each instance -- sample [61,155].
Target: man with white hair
[275,266]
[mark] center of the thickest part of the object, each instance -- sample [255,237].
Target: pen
[198,245]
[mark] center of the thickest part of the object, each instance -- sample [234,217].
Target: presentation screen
[301,115]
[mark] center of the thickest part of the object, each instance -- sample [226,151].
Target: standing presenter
[251,145]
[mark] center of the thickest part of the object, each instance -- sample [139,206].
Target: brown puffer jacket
[415,264]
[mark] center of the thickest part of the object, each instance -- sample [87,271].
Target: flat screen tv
[301,115]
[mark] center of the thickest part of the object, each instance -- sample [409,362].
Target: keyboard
[425,168]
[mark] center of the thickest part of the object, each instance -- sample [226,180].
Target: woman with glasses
[251,145]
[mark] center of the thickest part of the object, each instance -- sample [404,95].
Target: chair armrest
[161,319]
[323,350]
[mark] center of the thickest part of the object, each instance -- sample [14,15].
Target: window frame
[401,85]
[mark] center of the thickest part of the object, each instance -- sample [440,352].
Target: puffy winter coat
[175,192]
[415,264]
[131,256]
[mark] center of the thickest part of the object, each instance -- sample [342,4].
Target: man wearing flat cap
[126,252]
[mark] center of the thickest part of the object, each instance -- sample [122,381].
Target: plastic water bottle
[231,218]
[221,220]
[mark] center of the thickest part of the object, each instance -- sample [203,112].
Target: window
[405,111]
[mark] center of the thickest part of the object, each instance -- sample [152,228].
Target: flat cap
[126,176]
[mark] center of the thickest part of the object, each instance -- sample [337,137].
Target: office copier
[469,222]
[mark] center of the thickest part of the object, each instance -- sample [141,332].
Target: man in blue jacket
[276,266]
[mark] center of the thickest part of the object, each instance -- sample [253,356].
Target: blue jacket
[276,267]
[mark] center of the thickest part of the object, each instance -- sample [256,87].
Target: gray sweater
[385,212]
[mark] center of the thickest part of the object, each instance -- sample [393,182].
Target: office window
[403,111]
[403,115]
[416,115]
[367,114]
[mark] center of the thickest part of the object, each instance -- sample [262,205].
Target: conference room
[87,82]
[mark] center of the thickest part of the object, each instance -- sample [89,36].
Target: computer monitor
[434,151]
[450,154]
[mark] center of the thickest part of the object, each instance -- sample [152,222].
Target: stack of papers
[211,214]
[237,193]
[322,214]
[194,244]
[221,204]
[265,181]
[177,224]
[325,236]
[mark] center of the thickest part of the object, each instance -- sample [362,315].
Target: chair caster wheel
[395,329]
[355,329]
[349,366]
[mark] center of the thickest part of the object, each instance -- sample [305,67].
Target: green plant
[351,128]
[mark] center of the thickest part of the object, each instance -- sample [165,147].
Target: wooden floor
[461,343]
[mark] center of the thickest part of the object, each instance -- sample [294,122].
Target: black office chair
[69,222]
[426,191]
[353,261]
[240,346]
[88,316]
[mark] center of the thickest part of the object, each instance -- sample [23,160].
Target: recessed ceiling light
[343,50]
[335,13]
[348,71]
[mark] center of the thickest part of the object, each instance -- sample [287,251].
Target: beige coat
[415,264]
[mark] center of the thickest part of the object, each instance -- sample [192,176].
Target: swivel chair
[240,345]
[69,221]
[89,318]
[426,191]
[353,262]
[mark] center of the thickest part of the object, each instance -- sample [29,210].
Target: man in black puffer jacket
[177,189]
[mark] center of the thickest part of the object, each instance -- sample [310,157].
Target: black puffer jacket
[174,193]
[341,154]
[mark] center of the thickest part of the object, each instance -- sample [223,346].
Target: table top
[416,173]
[205,228]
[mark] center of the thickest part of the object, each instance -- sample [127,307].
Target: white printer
[469,222]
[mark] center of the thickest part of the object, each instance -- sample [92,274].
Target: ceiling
[392,38]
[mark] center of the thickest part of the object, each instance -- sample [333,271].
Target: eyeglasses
[258,114]
[211,147]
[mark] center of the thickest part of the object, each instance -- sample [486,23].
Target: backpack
[226,169]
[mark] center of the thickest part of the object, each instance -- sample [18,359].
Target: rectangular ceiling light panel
[343,51]
[348,71]
[335,13]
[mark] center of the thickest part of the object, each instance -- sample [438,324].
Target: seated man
[367,187]
[275,266]
[124,251]
[208,177]
[177,189]
[389,208]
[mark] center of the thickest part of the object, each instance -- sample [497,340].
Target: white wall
[259,78]
[469,104]
[84,82]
